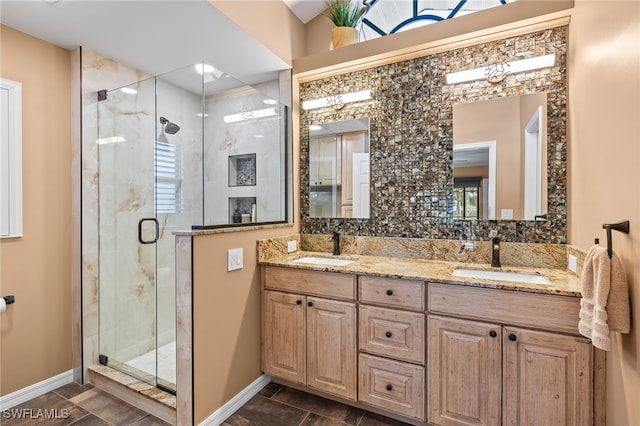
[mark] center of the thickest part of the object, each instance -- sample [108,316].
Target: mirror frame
[411,181]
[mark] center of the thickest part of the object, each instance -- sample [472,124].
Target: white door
[533,166]
[361,185]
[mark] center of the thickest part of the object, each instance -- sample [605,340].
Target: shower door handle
[157,229]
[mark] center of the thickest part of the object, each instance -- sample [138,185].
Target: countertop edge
[564,283]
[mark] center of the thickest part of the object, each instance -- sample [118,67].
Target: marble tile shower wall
[250,137]
[411,116]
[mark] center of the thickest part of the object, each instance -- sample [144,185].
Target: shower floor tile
[166,362]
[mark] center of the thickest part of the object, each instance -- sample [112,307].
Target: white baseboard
[223,413]
[35,390]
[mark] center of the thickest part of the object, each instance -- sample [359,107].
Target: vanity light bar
[337,101]
[512,66]
[259,113]
[110,140]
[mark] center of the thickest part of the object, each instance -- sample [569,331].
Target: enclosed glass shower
[158,173]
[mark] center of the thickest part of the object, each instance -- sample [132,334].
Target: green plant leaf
[343,13]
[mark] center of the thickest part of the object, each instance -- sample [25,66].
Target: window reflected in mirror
[339,169]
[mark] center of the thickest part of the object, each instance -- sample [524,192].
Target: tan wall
[476,171]
[226,331]
[270,22]
[36,330]
[318,35]
[604,153]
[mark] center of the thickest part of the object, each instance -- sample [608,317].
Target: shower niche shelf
[242,170]
[242,210]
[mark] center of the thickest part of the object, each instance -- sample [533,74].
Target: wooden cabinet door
[546,378]
[284,336]
[463,372]
[331,346]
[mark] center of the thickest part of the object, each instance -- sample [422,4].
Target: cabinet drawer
[392,333]
[545,311]
[316,283]
[392,385]
[392,292]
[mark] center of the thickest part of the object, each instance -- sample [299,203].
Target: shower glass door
[129,231]
[150,184]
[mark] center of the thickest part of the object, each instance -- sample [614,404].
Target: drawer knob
[492,333]
[389,387]
[389,292]
[309,304]
[388,334]
[298,302]
[513,337]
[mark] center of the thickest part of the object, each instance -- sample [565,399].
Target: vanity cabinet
[392,345]
[308,336]
[492,372]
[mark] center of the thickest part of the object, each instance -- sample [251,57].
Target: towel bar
[622,226]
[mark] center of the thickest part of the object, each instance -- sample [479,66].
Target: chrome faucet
[495,245]
[336,243]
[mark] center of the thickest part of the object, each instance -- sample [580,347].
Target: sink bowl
[330,261]
[521,277]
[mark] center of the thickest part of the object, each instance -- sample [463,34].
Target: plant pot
[343,36]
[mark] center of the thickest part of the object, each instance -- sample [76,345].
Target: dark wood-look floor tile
[72,389]
[372,419]
[49,409]
[324,407]
[271,389]
[260,411]
[90,420]
[316,420]
[108,407]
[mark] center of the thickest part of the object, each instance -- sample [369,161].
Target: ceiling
[152,36]
[305,10]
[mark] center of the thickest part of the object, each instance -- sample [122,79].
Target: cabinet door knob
[388,334]
[389,387]
[513,337]
[389,292]
[492,333]
[298,302]
[309,303]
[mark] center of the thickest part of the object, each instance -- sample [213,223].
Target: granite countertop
[562,282]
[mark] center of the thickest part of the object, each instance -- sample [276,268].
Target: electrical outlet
[573,264]
[469,245]
[506,214]
[234,259]
[292,246]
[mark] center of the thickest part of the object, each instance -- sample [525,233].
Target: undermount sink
[521,277]
[331,261]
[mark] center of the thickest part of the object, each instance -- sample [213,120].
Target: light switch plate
[573,264]
[234,259]
[292,246]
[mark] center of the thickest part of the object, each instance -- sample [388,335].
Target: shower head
[169,127]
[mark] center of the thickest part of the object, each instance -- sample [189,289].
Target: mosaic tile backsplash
[411,116]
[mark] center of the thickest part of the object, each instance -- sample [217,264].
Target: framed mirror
[339,169]
[500,158]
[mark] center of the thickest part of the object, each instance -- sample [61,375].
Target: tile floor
[274,405]
[77,405]
[277,405]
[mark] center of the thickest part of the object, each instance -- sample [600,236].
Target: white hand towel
[605,298]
